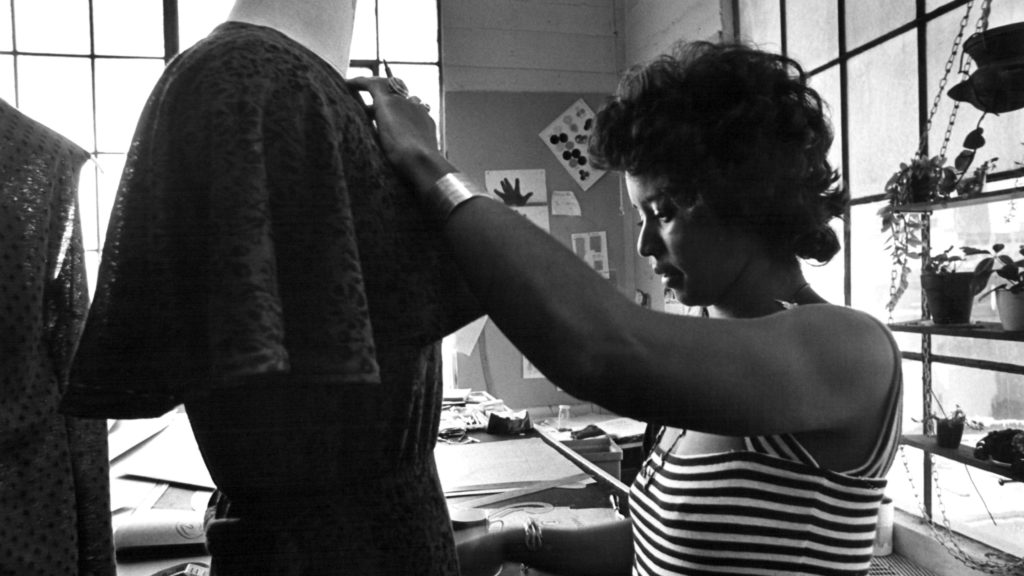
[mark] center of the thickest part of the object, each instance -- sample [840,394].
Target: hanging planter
[997,85]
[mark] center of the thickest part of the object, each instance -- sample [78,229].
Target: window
[863,57]
[85,68]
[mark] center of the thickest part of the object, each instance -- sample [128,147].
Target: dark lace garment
[266,266]
[54,475]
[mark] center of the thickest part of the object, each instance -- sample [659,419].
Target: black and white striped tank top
[768,510]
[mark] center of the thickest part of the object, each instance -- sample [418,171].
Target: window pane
[870,268]
[128,27]
[812,31]
[827,279]
[423,81]
[364,33]
[58,92]
[408,30]
[761,23]
[53,26]
[6,32]
[197,18]
[827,85]
[7,79]
[970,495]
[869,19]
[87,206]
[122,87]
[92,267]
[111,166]
[882,113]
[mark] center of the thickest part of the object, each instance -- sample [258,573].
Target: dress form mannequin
[250,275]
[323,26]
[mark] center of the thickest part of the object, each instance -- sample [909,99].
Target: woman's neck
[761,288]
[323,26]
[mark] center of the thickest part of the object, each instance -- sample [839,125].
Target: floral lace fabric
[54,475]
[257,229]
[262,251]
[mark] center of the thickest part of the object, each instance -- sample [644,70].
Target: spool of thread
[883,536]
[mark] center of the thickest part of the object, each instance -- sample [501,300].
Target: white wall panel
[530,45]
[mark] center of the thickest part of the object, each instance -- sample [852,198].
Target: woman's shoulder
[840,332]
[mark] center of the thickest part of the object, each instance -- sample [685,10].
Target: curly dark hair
[738,128]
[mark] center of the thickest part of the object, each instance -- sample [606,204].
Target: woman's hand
[407,132]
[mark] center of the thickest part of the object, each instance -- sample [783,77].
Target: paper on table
[128,493]
[172,456]
[560,516]
[123,435]
[508,464]
[623,428]
[466,338]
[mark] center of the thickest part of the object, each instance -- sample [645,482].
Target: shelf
[984,330]
[964,454]
[995,180]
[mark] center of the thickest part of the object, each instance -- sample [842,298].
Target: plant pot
[950,296]
[922,187]
[1011,309]
[948,433]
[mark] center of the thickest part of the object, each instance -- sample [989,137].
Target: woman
[780,413]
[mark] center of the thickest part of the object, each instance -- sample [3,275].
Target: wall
[510,67]
[500,131]
[652,26]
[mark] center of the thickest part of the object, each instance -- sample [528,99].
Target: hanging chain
[964,69]
[948,539]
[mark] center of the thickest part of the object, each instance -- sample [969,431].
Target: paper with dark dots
[567,138]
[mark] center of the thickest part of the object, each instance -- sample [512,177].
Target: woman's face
[693,252]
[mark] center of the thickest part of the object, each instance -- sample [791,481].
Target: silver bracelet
[448,193]
[534,535]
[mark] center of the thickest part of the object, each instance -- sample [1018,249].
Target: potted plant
[1009,294]
[949,430]
[974,185]
[949,292]
[922,180]
[925,179]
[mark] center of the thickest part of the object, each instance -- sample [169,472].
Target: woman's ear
[699,212]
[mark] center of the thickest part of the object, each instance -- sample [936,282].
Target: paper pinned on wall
[518,187]
[567,137]
[592,247]
[536,214]
[565,203]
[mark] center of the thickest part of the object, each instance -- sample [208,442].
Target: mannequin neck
[323,26]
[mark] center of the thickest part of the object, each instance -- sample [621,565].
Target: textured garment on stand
[54,473]
[267,267]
